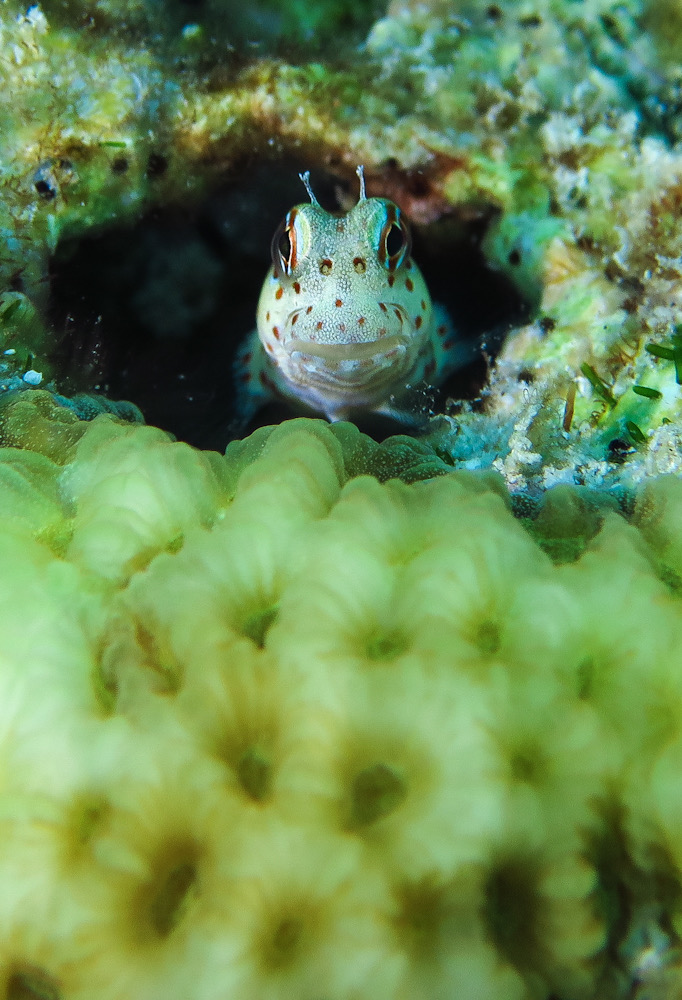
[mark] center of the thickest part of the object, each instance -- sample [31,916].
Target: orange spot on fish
[361,320]
[279,293]
[297,287]
[391,280]
[309,310]
[418,321]
[442,330]
[294,319]
[319,325]
[382,306]
[275,332]
[398,314]
[423,304]
[409,285]
[339,302]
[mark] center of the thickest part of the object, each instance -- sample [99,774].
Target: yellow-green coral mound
[275,728]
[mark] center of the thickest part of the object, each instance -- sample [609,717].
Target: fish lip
[348,351]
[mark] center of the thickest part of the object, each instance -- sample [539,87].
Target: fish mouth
[346,352]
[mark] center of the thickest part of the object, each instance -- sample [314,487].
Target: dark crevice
[154,313]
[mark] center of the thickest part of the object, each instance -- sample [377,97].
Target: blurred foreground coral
[275,727]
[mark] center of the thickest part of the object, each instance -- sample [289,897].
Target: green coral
[274,726]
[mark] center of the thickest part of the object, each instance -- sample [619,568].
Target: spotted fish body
[345,321]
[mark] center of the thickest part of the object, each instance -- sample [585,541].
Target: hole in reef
[482,303]
[154,312]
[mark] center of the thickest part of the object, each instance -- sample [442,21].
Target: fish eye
[282,249]
[395,242]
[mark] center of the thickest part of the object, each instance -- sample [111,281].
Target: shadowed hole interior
[585,676]
[424,911]
[285,942]
[254,773]
[158,658]
[527,764]
[386,647]
[376,792]
[168,905]
[488,637]
[256,624]
[512,911]
[87,816]
[168,896]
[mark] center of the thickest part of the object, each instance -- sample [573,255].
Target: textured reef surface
[273,725]
[321,717]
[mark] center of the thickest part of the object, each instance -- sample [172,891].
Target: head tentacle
[305,178]
[360,171]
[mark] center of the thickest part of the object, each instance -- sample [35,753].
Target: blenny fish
[345,323]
